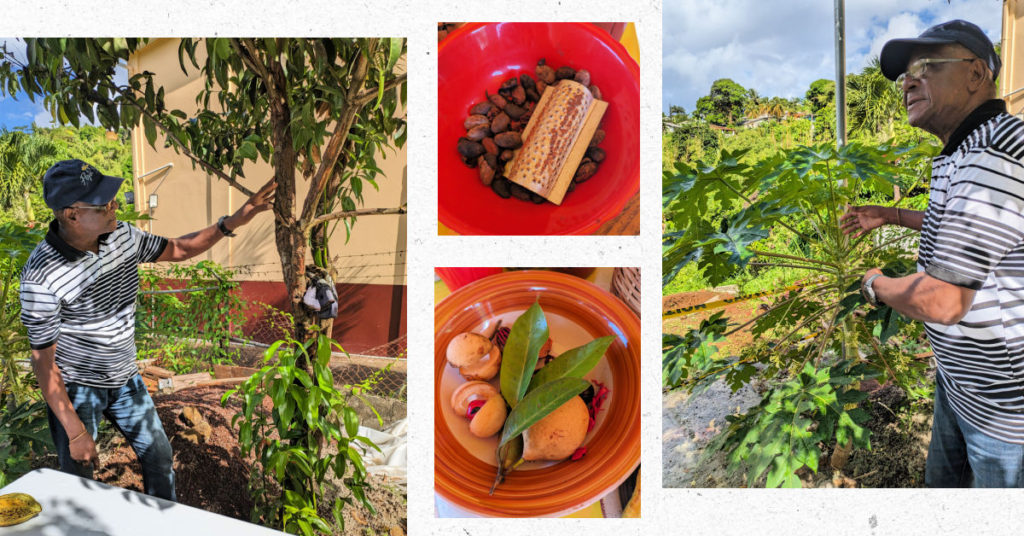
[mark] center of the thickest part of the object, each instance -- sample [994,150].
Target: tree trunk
[289,238]
[30,215]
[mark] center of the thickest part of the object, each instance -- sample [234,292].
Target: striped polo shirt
[85,303]
[973,237]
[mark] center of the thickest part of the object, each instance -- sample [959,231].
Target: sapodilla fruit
[559,434]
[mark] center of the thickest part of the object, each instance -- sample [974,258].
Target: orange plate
[462,478]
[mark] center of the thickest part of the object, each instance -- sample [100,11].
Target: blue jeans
[961,456]
[131,410]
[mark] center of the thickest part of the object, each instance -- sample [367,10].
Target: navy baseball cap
[896,52]
[69,181]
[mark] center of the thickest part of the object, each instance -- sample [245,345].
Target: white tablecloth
[74,506]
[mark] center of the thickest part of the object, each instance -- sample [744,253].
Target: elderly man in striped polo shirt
[78,292]
[969,288]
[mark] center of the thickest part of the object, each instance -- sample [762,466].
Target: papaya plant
[816,341]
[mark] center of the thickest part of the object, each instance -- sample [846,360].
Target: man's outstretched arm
[192,244]
[923,297]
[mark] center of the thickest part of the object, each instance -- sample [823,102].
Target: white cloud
[779,48]
[43,118]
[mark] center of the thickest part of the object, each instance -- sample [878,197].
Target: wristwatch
[224,228]
[867,290]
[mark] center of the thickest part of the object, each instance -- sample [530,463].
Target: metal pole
[840,73]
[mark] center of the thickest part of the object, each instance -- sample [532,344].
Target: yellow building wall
[1011,80]
[189,199]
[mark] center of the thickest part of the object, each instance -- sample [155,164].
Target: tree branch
[365,97]
[130,99]
[351,213]
[333,149]
[246,51]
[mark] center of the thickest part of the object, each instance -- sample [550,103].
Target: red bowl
[479,57]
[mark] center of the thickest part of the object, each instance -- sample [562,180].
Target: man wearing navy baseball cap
[78,291]
[969,287]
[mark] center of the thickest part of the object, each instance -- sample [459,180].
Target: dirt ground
[900,429]
[213,475]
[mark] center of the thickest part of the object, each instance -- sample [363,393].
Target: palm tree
[24,157]
[873,103]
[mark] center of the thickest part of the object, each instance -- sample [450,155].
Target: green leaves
[545,390]
[310,435]
[538,403]
[574,363]
[783,432]
[528,334]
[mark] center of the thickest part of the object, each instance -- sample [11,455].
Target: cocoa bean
[541,86]
[572,186]
[510,84]
[583,77]
[500,123]
[508,140]
[527,82]
[481,108]
[585,172]
[519,192]
[498,100]
[489,145]
[506,155]
[488,165]
[564,73]
[531,95]
[519,95]
[598,137]
[500,185]
[475,120]
[514,111]
[478,133]
[596,154]
[595,91]
[470,149]
[545,74]
[537,198]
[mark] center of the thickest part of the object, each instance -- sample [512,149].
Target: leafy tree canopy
[725,104]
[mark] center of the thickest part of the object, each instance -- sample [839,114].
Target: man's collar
[69,252]
[986,111]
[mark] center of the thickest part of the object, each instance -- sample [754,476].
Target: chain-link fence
[175,326]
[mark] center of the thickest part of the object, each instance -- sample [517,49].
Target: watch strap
[224,228]
[868,290]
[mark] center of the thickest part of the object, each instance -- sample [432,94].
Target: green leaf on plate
[539,403]
[528,334]
[573,363]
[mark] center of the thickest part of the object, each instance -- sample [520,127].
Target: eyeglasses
[918,68]
[112,204]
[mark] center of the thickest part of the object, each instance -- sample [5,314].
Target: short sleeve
[150,246]
[982,222]
[40,313]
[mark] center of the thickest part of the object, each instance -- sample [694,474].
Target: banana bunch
[17,508]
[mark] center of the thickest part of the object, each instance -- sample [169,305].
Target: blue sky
[20,112]
[780,47]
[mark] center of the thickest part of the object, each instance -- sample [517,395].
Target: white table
[74,506]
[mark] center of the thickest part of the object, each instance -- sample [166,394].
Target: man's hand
[861,220]
[260,201]
[83,450]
